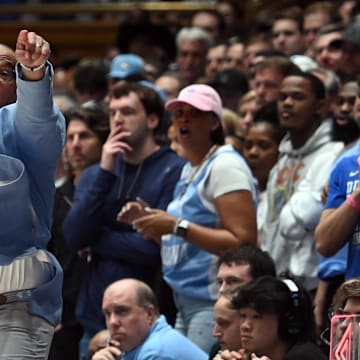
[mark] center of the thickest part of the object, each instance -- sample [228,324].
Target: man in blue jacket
[132,166]
[137,329]
[32,133]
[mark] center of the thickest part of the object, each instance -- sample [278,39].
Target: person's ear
[321,108]
[151,314]
[215,123]
[152,121]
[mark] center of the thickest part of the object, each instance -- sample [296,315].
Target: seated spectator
[170,83]
[350,46]
[236,267]
[227,325]
[233,14]
[246,109]
[90,80]
[276,320]
[240,265]
[211,21]
[215,58]
[255,43]
[332,85]
[259,57]
[192,45]
[231,85]
[129,67]
[137,329]
[268,75]
[328,56]
[317,15]
[234,56]
[346,301]
[287,31]
[261,146]
[345,128]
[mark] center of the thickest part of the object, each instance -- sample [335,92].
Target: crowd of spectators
[189,142]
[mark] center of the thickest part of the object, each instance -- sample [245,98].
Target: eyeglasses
[340,311]
[325,336]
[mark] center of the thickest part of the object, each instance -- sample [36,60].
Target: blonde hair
[249,96]
[230,122]
[348,289]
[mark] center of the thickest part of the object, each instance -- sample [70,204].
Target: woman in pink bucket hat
[213,209]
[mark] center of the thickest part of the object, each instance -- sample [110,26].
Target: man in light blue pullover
[137,330]
[31,140]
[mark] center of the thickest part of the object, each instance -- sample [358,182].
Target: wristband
[35,68]
[353,203]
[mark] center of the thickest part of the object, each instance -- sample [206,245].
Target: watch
[181,228]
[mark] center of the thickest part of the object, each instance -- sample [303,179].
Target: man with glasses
[346,301]
[7,76]
[32,137]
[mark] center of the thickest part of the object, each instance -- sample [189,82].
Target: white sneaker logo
[353,173]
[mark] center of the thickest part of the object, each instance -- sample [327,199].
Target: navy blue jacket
[117,250]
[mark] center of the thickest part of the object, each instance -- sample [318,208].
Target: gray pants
[22,335]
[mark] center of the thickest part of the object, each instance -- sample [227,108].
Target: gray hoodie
[294,203]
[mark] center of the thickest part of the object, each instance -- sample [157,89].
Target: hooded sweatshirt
[294,203]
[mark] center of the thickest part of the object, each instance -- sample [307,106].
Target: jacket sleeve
[86,223]
[39,129]
[128,244]
[302,212]
[39,125]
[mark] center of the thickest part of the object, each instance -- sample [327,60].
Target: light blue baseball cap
[125,65]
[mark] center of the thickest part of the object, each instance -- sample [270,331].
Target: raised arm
[32,52]
[337,225]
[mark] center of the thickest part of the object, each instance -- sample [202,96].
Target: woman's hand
[155,224]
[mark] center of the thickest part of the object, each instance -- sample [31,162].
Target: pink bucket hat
[200,96]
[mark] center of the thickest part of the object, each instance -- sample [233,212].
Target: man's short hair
[260,261]
[213,12]
[93,116]
[90,76]
[271,296]
[193,34]
[316,84]
[330,28]
[332,81]
[325,7]
[293,13]
[281,64]
[149,98]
